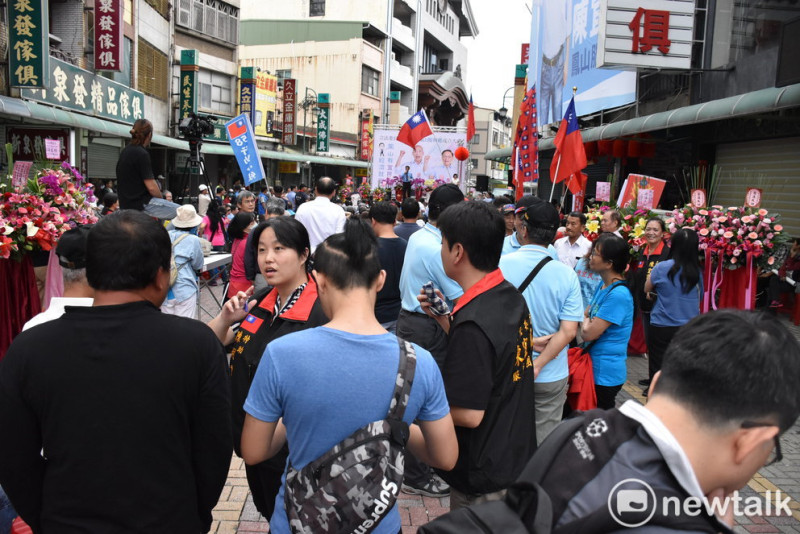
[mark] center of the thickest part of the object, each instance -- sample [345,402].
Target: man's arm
[212,440]
[566,332]
[261,440]
[152,187]
[22,468]
[434,442]
[468,374]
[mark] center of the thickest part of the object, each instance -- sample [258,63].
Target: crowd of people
[122,410]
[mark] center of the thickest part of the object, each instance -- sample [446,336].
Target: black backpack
[528,509]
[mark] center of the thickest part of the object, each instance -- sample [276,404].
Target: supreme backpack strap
[405,378]
[525,283]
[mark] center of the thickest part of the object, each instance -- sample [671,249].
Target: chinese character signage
[564,47]
[266,104]
[243,142]
[28,43]
[82,91]
[646,33]
[190,66]
[288,167]
[29,144]
[323,122]
[247,91]
[289,111]
[366,134]
[108,35]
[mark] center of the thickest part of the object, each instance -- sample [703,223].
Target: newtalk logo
[632,503]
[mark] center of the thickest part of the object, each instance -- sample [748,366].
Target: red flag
[415,129]
[577,183]
[526,144]
[570,157]
[470,120]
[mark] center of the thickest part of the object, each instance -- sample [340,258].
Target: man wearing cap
[203,200]
[553,296]
[511,242]
[116,416]
[188,253]
[71,252]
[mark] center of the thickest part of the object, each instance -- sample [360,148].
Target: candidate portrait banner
[431,163]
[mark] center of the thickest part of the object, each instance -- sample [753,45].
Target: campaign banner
[243,142]
[108,44]
[432,161]
[634,185]
[266,103]
[563,50]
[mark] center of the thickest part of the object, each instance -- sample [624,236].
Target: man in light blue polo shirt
[511,242]
[422,264]
[554,300]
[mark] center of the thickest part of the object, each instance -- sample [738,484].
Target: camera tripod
[193,172]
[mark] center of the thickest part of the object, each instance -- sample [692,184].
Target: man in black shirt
[126,432]
[488,371]
[134,174]
[391,250]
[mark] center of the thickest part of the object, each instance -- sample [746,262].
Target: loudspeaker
[482,182]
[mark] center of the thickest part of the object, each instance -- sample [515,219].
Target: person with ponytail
[314,388]
[679,287]
[290,305]
[135,179]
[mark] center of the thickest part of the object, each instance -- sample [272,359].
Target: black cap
[71,248]
[442,197]
[525,201]
[540,214]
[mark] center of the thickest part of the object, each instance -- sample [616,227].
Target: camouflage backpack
[355,484]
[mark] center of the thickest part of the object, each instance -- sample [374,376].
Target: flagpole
[553,184]
[566,188]
[436,142]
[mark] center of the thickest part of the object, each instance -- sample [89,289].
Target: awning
[52,115]
[762,101]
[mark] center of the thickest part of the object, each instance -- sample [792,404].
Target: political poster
[633,186]
[430,163]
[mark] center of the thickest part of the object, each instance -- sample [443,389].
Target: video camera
[196,126]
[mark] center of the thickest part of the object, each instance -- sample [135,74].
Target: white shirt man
[321,217]
[574,245]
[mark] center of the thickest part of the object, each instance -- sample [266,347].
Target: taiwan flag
[415,129]
[251,324]
[570,157]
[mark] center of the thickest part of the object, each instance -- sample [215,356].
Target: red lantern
[591,149]
[619,148]
[461,153]
[604,147]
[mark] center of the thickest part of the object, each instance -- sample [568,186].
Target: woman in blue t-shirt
[314,388]
[609,318]
[678,286]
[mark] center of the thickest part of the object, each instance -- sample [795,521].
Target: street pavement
[235,512]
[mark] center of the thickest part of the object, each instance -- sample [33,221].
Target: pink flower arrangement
[733,233]
[33,217]
[632,227]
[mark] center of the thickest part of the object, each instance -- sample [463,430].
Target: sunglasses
[776,455]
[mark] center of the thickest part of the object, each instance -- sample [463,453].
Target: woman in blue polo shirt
[679,286]
[609,318]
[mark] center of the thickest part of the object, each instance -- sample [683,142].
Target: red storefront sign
[289,111]
[366,135]
[28,144]
[526,51]
[108,35]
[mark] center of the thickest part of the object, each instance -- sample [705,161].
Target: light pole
[503,111]
[305,104]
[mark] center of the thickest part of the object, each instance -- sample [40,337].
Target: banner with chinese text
[28,43]
[108,46]
[247,89]
[28,144]
[266,103]
[289,111]
[366,134]
[82,91]
[243,142]
[323,122]
[189,68]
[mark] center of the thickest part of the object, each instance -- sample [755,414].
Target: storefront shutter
[103,161]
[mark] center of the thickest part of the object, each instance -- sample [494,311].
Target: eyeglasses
[776,455]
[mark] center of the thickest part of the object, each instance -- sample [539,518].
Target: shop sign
[28,46]
[366,134]
[190,66]
[526,53]
[30,144]
[108,45]
[82,91]
[219,130]
[362,173]
[289,111]
[266,103]
[323,122]
[645,33]
[288,167]
[247,90]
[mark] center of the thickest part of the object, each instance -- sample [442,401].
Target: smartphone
[438,306]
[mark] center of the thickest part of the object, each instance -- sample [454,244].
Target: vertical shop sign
[189,68]
[323,122]
[366,134]
[108,45]
[289,109]
[247,90]
[28,46]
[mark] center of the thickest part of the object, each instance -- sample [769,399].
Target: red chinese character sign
[289,110]
[650,29]
[108,35]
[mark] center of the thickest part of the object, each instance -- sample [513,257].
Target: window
[476,139]
[282,74]
[215,92]
[316,8]
[152,74]
[212,18]
[370,81]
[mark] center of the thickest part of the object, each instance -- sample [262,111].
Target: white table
[211,262]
